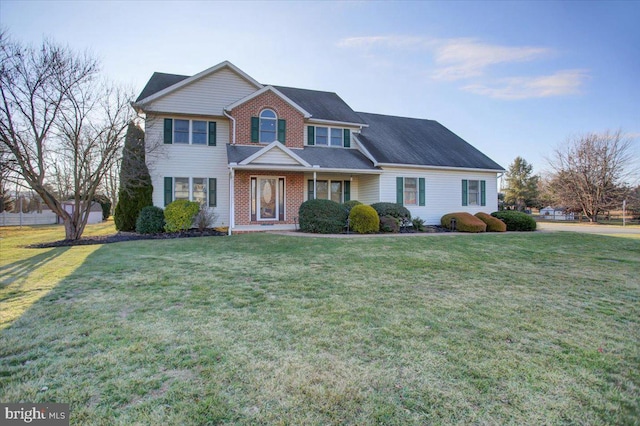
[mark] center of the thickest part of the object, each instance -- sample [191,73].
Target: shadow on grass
[23,267]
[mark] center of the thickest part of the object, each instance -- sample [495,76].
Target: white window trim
[329,128]
[190,190]
[329,181]
[477,192]
[404,191]
[206,132]
[260,125]
[277,195]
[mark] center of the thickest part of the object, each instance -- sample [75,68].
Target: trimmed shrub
[418,224]
[322,217]
[392,209]
[348,205]
[150,220]
[179,215]
[516,221]
[389,224]
[364,219]
[465,222]
[493,223]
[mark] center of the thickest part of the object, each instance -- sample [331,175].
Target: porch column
[315,196]
[232,200]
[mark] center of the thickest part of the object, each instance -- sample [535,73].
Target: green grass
[537,328]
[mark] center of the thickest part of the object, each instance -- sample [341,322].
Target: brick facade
[252,108]
[294,195]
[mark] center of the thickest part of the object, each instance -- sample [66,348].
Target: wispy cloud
[561,83]
[472,60]
[465,58]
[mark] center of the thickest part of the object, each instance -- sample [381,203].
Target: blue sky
[511,78]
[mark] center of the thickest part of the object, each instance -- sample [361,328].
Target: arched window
[268,121]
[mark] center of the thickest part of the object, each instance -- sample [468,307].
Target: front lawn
[535,328]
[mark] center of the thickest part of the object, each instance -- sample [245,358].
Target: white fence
[20,219]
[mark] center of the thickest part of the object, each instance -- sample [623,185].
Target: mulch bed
[129,236]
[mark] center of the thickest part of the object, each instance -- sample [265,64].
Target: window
[199,132]
[268,126]
[410,191]
[186,132]
[473,192]
[200,190]
[181,189]
[335,190]
[180,131]
[321,136]
[328,136]
[336,137]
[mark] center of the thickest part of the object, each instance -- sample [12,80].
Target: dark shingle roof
[159,81]
[328,158]
[321,105]
[400,140]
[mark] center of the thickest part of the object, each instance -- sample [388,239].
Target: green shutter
[421,197]
[483,195]
[212,133]
[311,135]
[347,138]
[168,130]
[282,131]
[465,195]
[168,190]
[310,190]
[255,127]
[213,192]
[399,190]
[347,190]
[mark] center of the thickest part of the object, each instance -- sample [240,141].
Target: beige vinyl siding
[443,191]
[207,96]
[275,156]
[200,161]
[368,189]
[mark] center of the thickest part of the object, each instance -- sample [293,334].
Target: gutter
[233,121]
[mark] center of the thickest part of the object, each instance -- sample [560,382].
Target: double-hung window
[473,192]
[268,122]
[410,191]
[185,132]
[335,190]
[199,189]
[328,136]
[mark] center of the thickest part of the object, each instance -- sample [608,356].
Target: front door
[267,198]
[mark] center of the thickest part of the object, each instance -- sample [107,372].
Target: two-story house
[255,152]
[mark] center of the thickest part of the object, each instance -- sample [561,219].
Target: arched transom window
[268,126]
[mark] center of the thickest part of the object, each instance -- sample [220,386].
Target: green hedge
[363,219]
[150,220]
[392,209]
[322,217]
[516,221]
[348,205]
[493,223]
[179,215]
[465,222]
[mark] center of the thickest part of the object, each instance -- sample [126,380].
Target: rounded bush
[389,224]
[493,223]
[465,222]
[150,220]
[322,217]
[516,221]
[392,209]
[179,215]
[348,205]
[364,219]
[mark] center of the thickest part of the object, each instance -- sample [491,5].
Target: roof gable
[275,92]
[419,142]
[275,153]
[163,84]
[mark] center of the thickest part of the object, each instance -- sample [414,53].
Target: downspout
[232,201]
[233,127]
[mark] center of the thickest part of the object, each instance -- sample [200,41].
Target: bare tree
[590,172]
[62,126]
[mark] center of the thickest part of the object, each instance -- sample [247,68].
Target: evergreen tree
[135,182]
[522,187]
